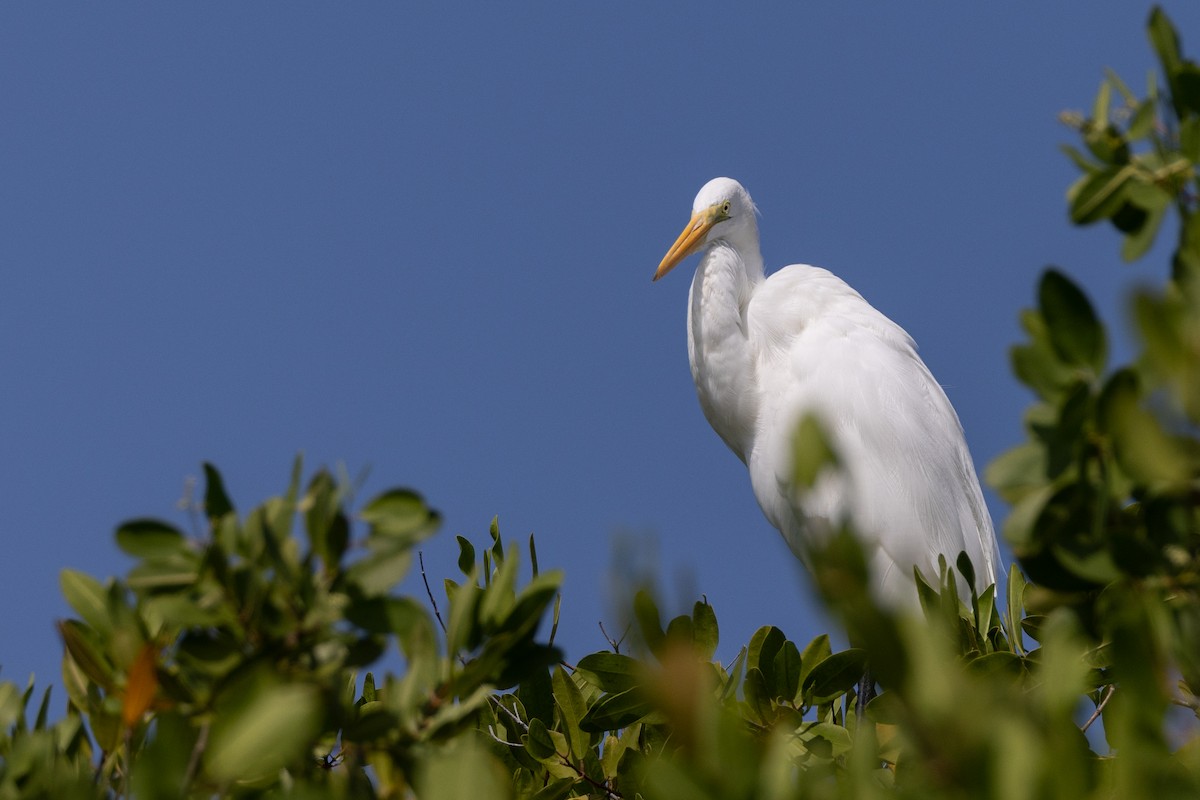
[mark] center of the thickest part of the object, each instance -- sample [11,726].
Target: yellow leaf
[140,686]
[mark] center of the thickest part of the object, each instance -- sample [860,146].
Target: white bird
[765,351]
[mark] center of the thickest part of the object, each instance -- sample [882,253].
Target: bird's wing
[906,482]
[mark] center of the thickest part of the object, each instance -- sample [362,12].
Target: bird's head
[722,210]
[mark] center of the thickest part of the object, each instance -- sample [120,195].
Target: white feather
[766,351]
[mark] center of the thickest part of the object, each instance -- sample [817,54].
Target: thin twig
[557,608]
[615,644]
[429,592]
[188,503]
[608,790]
[1099,708]
[566,762]
[1192,704]
[520,722]
[495,738]
[602,786]
[194,760]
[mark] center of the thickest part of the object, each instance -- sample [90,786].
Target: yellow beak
[690,240]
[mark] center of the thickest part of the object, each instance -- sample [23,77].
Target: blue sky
[419,239]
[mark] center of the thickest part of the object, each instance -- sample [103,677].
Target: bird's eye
[725,207]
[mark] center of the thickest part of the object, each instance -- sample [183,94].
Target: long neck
[720,353]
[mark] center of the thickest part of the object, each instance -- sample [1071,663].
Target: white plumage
[767,350]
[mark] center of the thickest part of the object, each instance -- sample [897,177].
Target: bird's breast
[721,357]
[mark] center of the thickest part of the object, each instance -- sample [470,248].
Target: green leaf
[704,629]
[812,452]
[1075,331]
[1185,90]
[538,742]
[174,572]
[12,706]
[1019,524]
[1100,108]
[466,556]
[462,771]
[531,603]
[758,696]
[610,757]
[761,652]
[385,615]
[1154,202]
[216,501]
[610,672]
[999,665]
[88,598]
[1167,325]
[679,630]
[500,595]
[1016,606]
[319,506]
[1189,139]
[326,525]
[1081,161]
[1017,472]
[159,770]
[377,573]
[497,549]
[814,653]
[572,706]
[1164,39]
[645,611]
[87,654]
[213,653]
[1063,669]
[278,512]
[1127,95]
[178,610]
[615,711]
[967,570]
[1091,562]
[887,709]
[147,538]
[835,738]
[337,539]
[1144,117]
[400,515]
[252,536]
[536,693]
[1185,264]
[1146,453]
[462,631]
[835,675]
[533,559]
[556,790]
[929,597]
[787,672]
[39,723]
[1099,195]
[227,535]
[1106,142]
[733,674]
[1037,363]
[261,728]
[373,721]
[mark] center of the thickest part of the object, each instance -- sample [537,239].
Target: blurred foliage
[230,663]
[1106,518]
[233,662]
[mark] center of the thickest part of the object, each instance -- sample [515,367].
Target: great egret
[766,351]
